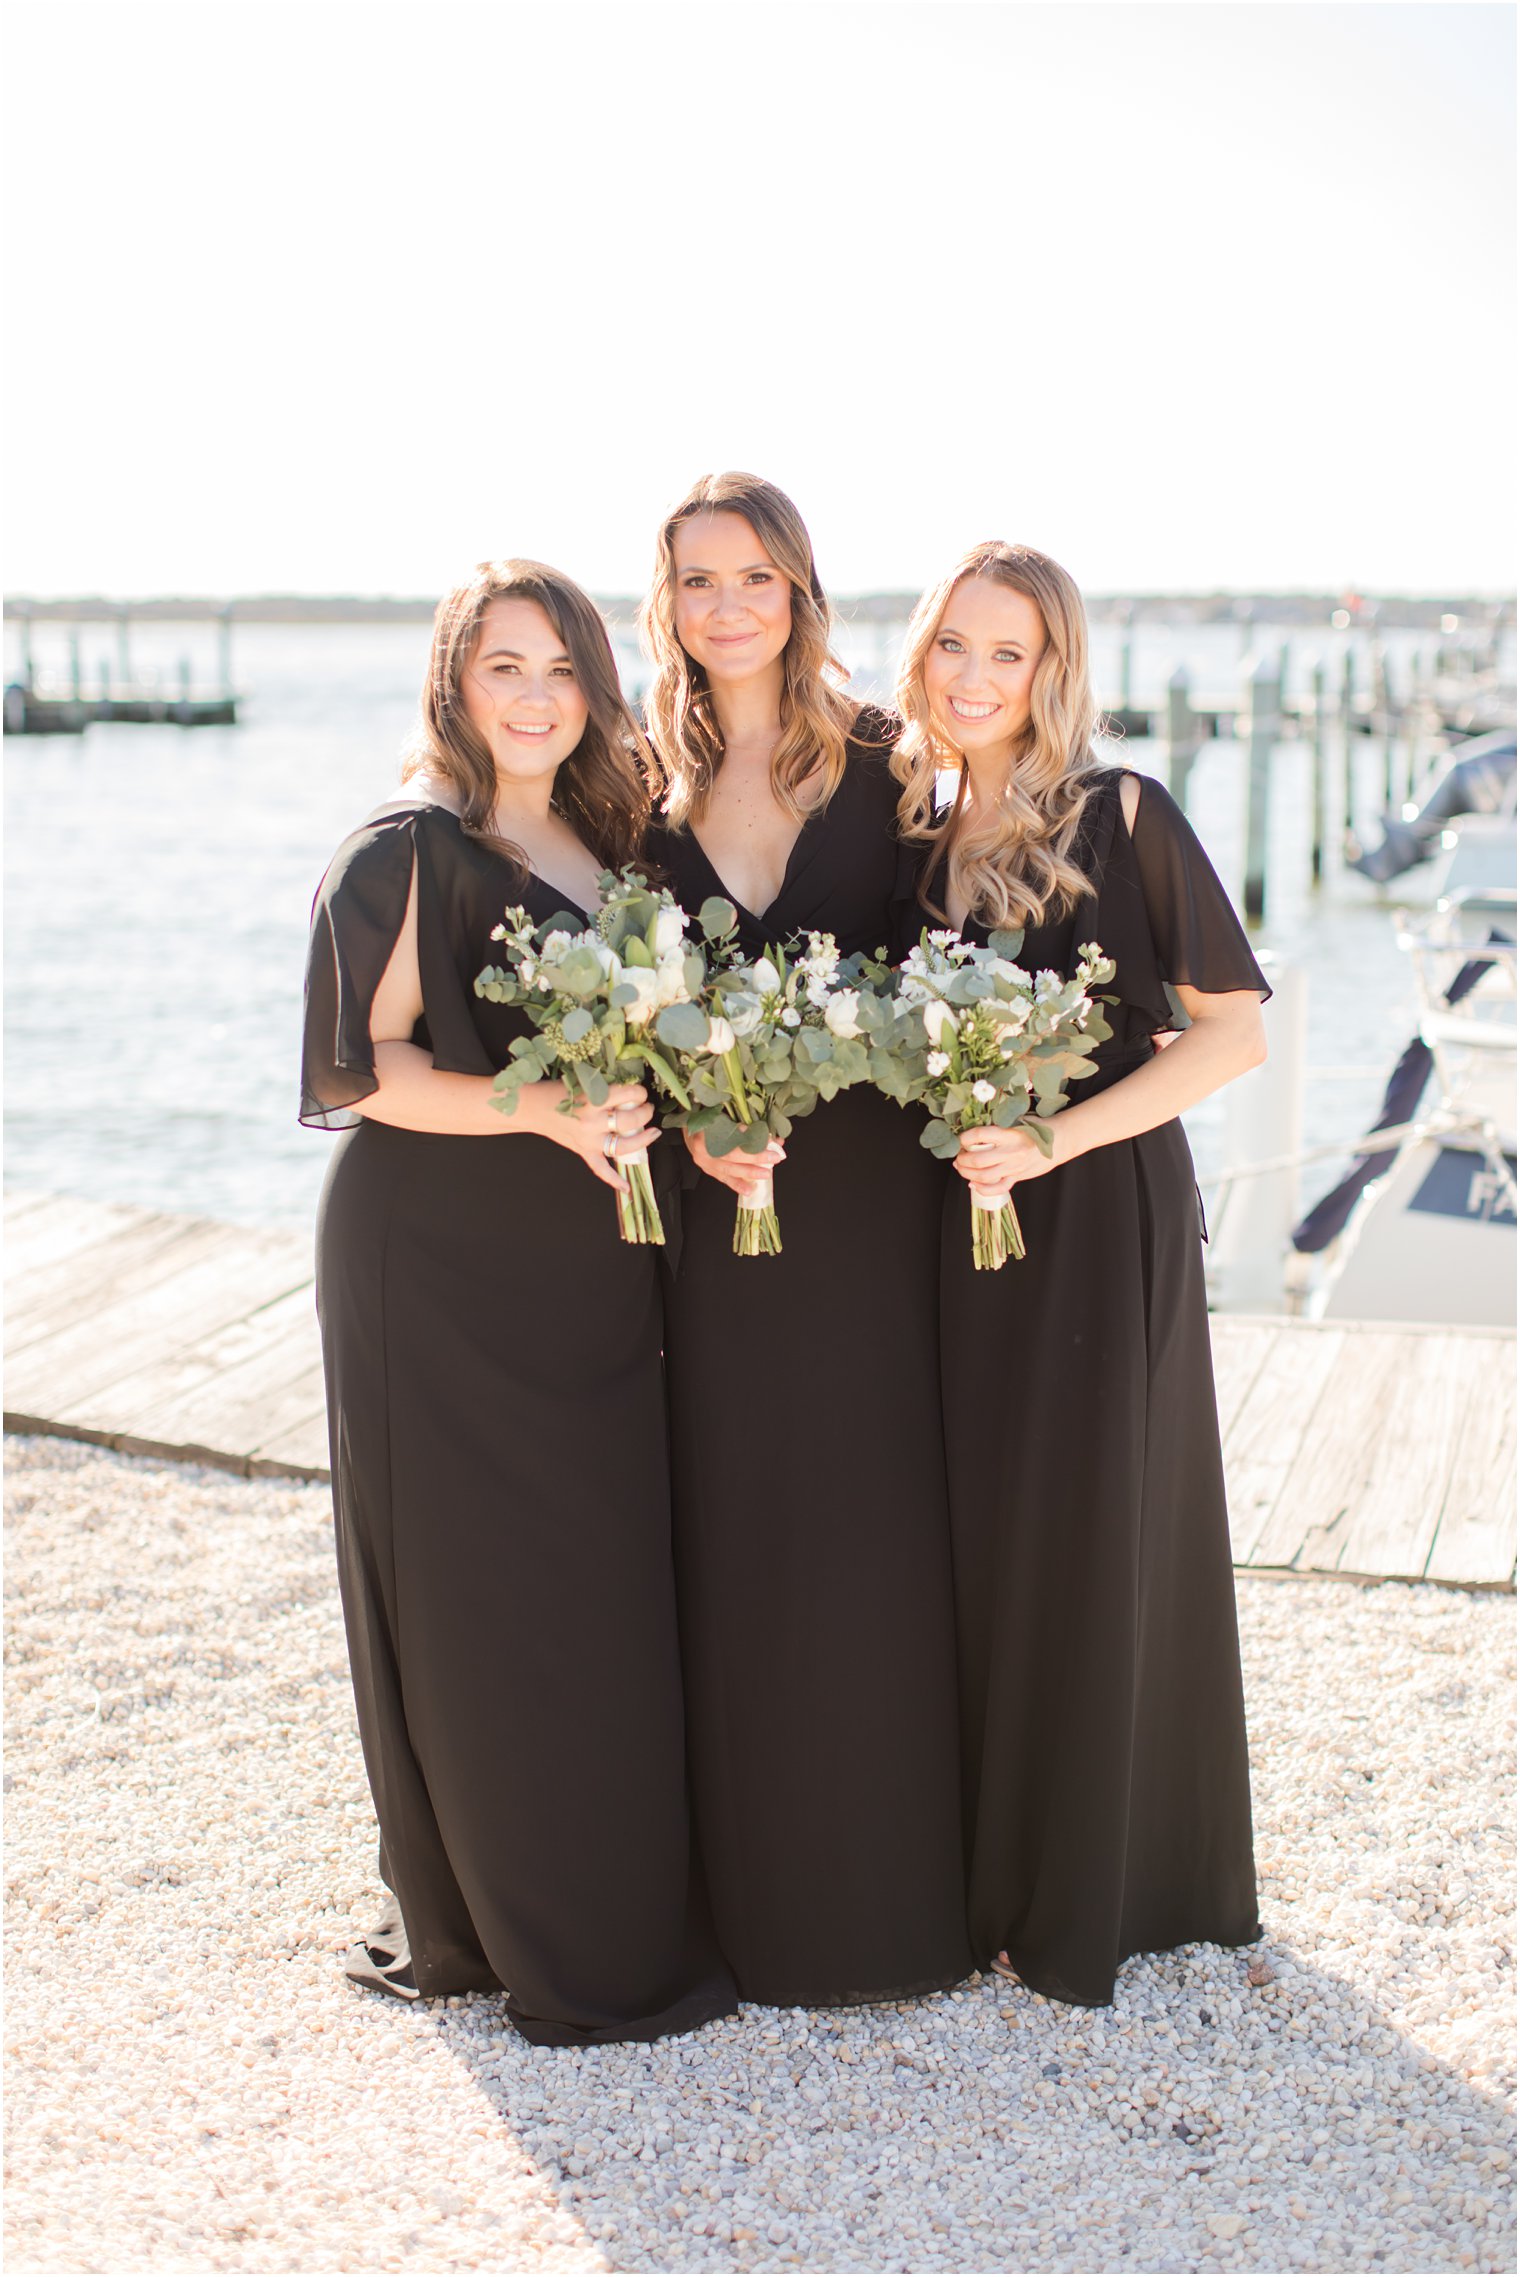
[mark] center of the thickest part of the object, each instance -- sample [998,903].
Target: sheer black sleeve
[1200,941]
[355,920]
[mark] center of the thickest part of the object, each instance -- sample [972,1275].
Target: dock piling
[1318,820]
[1348,714]
[1263,726]
[1181,734]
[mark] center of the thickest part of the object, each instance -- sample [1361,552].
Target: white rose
[720,1036]
[647,1000]
[744,1014]
[839,1013]
[938,1063]
[670,978]
[764,978]
[937,1018]
[608,958]
[984,1091]
[669,925]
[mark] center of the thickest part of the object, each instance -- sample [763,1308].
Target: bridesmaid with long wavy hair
[1105,1778]
[492,1353]
[807,1465]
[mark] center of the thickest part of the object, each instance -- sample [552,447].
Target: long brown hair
[604,788]
[1016,865]
[817,717]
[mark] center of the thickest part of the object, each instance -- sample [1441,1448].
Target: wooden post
[184,679]
[1282,681]
[1348,713]
[74,662]
[1318,817]
[1382,716]
[124,651]
[27,668]
[1125,673]
[224,646]
[1181,734]
[1262,729]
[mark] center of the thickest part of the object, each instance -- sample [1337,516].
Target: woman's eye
[760,577]
[1008,656]
[691,584]
[950,647]
[503,668]
[564,672]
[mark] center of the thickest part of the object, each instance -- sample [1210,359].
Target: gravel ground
[194,2086]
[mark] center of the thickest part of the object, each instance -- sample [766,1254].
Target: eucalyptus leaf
[717,917]
[683,1026]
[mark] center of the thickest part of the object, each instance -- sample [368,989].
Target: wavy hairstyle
[604,788]
[817,719]
[1016,865]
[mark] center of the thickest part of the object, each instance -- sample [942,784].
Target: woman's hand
[993,1161]
[740,1172]
[602,1136]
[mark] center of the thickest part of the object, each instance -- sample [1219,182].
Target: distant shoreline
[1423,611]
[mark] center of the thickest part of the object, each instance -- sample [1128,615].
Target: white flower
[984,1091]
[608,958]
[911,990]
[764,978]
[839,1013]
[526,971]
[670,979]
[646,1000]
[937,1018]
[817,988]
[1006,969]
[943,938]
[669,925]
[1011,1020]
[791,1019]
[720,1036]
[938,1063]
[744,1014]
[558,944]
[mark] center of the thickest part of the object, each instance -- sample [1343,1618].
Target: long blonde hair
[817,718]
[604,789]
[1014,866]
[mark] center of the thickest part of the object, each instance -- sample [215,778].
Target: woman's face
[733,606]
[980,666]
[520,692]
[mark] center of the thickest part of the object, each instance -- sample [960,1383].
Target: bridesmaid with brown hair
[807,1464]
[1106,1785]
[492,1352]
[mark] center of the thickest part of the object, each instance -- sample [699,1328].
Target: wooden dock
[1353,1449]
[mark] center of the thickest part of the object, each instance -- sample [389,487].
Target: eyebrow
[695,569]
[517,656]
[1011,640]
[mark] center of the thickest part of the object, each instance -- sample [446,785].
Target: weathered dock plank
[1350,1448]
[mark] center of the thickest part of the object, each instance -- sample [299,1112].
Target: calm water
[158,883]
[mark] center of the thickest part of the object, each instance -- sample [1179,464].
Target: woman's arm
[413,1095]
[1226,1039]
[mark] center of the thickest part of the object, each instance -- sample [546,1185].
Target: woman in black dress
[492,1351]
[807,1463]
[1105,1774]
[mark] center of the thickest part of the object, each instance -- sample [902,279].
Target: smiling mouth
[524,727]
[973,711]
[729,640]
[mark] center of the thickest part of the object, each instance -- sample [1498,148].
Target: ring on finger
[610,1146]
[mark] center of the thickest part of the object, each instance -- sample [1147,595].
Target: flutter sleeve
[1200,941]
[355,919]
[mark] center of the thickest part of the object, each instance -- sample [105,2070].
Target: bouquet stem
[638,1212]
[996,1234]
[757,1229]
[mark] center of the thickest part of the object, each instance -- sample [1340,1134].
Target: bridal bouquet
[768,1039]
[593,994]
[977,1040]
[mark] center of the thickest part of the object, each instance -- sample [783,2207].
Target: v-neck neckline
[759,916]
[566,901]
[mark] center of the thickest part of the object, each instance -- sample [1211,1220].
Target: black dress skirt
[812,1549]
[1106,1784]
[500,1489]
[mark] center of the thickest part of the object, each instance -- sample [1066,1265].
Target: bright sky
[325,297]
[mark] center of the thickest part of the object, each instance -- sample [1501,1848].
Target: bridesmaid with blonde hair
[1105,1777]
[808,1486]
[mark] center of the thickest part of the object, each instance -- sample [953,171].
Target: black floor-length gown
[1106,1783]
[812,1550]
[500,1488]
